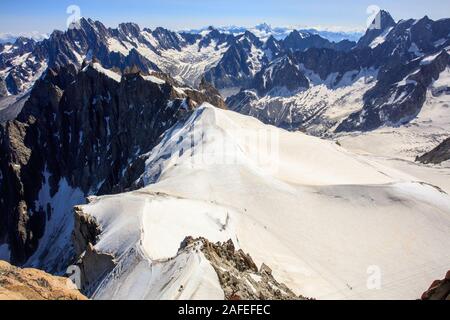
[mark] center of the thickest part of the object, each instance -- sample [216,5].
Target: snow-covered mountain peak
[314,227]
[380,25]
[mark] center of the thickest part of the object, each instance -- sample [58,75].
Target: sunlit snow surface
[322,218]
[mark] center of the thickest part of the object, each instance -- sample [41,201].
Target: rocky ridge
[439,290]
[438,155]
[239,276]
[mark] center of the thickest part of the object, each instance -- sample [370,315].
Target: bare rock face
[238,274]
[438,155]
[94,266]
[32,284]
[439,290]
[394,104]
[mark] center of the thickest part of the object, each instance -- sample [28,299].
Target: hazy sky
[24,16]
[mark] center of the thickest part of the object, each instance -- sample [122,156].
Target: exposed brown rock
[32,284]
[439,290]
[94,266]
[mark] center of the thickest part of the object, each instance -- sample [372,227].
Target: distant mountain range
[11,37]
[264,31]
[226,60]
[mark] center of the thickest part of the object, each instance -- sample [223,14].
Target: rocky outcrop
[212,93]
[439,290]
[84,128]
[94,267]
[438,155]
[85,231]
[32,284]
[3,89]
[238,275]
[241,101]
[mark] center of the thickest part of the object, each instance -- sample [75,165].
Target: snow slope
[380,39]
[321,217]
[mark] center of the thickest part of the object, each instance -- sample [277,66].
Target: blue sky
[24,16]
